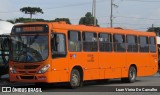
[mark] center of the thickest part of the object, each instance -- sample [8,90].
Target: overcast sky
[130,14]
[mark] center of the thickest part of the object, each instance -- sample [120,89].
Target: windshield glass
[29,48]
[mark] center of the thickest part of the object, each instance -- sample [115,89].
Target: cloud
[4,7]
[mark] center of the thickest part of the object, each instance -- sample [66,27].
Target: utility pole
[94,11]
[152,27]
[111,17]
[92,7]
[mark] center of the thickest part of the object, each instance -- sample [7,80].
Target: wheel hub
[74,79]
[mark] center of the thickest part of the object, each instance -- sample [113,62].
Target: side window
[58,45]
[143,44]
[152,45]
[90,41]
[105,42]
[119,43]
[132,43]
[74,38]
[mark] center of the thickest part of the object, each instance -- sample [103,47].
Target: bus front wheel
[132,74]
[75,79]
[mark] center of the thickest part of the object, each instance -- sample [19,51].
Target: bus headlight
[12,70]
[44,69]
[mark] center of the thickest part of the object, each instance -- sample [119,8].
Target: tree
[11,21]
[25,20]
[31,11]
[88,19]
[154,29]
[63,19]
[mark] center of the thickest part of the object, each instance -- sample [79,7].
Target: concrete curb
[157,74]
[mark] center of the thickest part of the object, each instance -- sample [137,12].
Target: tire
[132,74]
[103,81]
[40,84]
[75,79]
[124,80]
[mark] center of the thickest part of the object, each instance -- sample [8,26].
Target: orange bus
[58,52]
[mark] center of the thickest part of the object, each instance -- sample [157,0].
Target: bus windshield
[29,48]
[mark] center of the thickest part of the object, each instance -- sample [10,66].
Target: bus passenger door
[59,53]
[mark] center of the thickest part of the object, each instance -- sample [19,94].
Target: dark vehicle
[4,54]
[158,44]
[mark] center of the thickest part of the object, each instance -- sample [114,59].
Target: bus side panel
[143,66]
[91,66]
[153,63]
[75,59]
[60,70]
[119,61]
[144,63]
[105,63]
[114,64]
[132,58]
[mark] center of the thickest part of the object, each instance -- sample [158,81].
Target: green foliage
[31,11]
[11,21]
[154,29]
[63,19]
[88,20]
[25,20]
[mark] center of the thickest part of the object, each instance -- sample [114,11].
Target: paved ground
[92,86]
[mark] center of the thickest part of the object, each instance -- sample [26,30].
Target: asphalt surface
[92,87]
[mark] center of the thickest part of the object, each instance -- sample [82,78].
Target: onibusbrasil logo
[13,89]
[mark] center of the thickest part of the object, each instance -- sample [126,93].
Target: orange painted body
[95,65]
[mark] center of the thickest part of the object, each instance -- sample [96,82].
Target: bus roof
[100,29]
[63,25]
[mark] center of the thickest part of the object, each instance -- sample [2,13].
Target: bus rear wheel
[132,74]
[75,79]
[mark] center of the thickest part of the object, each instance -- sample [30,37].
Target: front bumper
[28,78]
